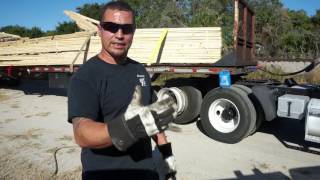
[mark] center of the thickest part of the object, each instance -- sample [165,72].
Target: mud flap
[267,99]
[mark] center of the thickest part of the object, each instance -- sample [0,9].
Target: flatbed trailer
[228,107]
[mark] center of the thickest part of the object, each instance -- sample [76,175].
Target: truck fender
[267,98]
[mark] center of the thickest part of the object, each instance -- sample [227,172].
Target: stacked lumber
[52,50]
[8,37]
[83,22]
[181,45]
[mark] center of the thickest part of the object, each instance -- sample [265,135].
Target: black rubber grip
[165,150]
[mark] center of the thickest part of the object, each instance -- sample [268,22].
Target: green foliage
[90,10]
[285,33]
[316,19]
[15,29]
[66,28]
[35,32]
[50,33]
[158,13]
[23,31]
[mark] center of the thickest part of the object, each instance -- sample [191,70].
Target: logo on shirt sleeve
[142,80]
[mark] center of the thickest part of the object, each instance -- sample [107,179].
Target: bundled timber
[150,46]
[52,50]
[83,22]
[8,37]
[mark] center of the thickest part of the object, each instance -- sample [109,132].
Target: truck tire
[193,105]
[227,115]
[189,101]
[257,106]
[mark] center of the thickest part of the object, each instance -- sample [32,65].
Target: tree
[35,32]
[316,19]
[16,30]
[66,28]
[271,23]
[285,33]
[90,10]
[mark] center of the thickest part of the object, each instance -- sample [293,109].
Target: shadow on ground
[305,173]
[39,87]
[289,132]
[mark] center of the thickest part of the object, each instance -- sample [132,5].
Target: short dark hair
[116,5]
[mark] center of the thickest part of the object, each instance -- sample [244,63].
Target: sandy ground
[33,127]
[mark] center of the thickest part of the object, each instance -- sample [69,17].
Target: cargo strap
[156,50]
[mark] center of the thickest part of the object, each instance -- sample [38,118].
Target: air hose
[308,68]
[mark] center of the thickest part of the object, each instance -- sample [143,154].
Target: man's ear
[99,29]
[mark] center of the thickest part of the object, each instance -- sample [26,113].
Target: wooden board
[65,58]
[44,39]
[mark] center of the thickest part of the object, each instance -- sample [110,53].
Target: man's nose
[119,34]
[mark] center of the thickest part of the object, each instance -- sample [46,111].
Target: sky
[46,14]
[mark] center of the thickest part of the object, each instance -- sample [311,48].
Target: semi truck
[213,90]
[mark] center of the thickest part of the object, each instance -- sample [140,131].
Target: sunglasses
[113,27]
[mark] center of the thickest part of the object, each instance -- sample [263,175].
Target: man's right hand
[141,121]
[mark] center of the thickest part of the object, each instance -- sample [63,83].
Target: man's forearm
[91,134]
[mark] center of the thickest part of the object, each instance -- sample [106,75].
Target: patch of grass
[15,166]
[160,81]
[264,165]
[9,120]
[66,138]
[34,145]
[52,150]
[31,134]
[28,116]
[71,150]
[312,77]
[3,97]
[70,175]
[14,106]
[43,114]
[260,75]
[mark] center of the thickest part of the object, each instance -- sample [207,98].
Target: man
[111,116]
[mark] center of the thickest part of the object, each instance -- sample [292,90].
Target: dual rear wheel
[227,115]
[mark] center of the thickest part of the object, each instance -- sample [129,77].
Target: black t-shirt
[100,90]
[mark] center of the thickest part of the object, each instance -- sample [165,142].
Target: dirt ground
[33,128]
